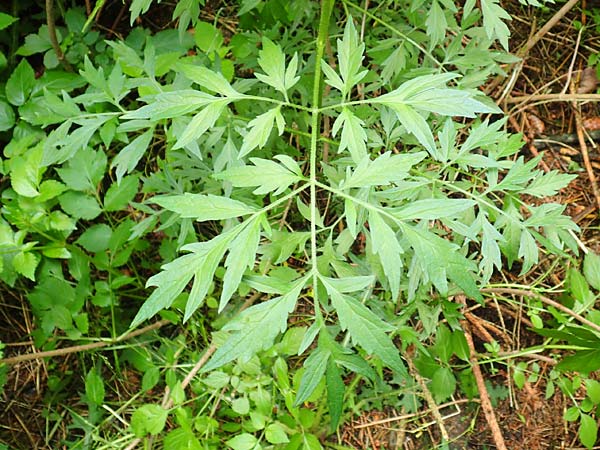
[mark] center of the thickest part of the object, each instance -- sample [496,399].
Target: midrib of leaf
[322,37]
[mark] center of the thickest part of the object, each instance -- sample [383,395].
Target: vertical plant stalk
[52,34]
[322,38]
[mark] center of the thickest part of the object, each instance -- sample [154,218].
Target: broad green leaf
[208,38]
[356,364]
[20,83]
[267,175]
[440,261]
[37,43]
[148,419]
[592,388]
[26,172]
[354,137]
[96,238]
[7,116]
[443,384]
[588,430]
[244,441]
[137,8]
[241,405]
[331,77]
[80,205]
[94,76]
[518,175]
[201,122]
[413,87]
[384,170]
[490,250]
[255,328]
[25,264]
[415,124]
[449,102]
[528,251]
[6,20]
[591,269]
[203,207]
[241,256]
[130,155]
[168,105]
[335,393]
[283,244]
[584,361]
[314,369]
[275,433]
[120,194]
[386,246]
[212,252]
[84,171]
[431,209]
[309,337]
[366,329]
[260,130]
[208,79]
[94,387]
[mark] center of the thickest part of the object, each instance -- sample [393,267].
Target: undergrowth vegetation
[308,197]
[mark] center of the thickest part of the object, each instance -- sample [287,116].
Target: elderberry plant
[401,198]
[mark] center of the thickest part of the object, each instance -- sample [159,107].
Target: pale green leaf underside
[202,207]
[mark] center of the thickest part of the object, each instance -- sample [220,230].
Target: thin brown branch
[584,150]
[543,299]
[433,406]
[533,40]
[52,34]
[484,397]
[553,98]
[83,347]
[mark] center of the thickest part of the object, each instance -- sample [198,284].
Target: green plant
[422,208]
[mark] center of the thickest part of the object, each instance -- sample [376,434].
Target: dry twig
[484,397]
[84,347]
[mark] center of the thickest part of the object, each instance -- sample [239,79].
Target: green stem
[326,9]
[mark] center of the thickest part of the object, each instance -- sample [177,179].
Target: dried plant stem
[82,348]
[484,397]
[533,40]
[543,299]
[433,406]
[52,34]
[553,98]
